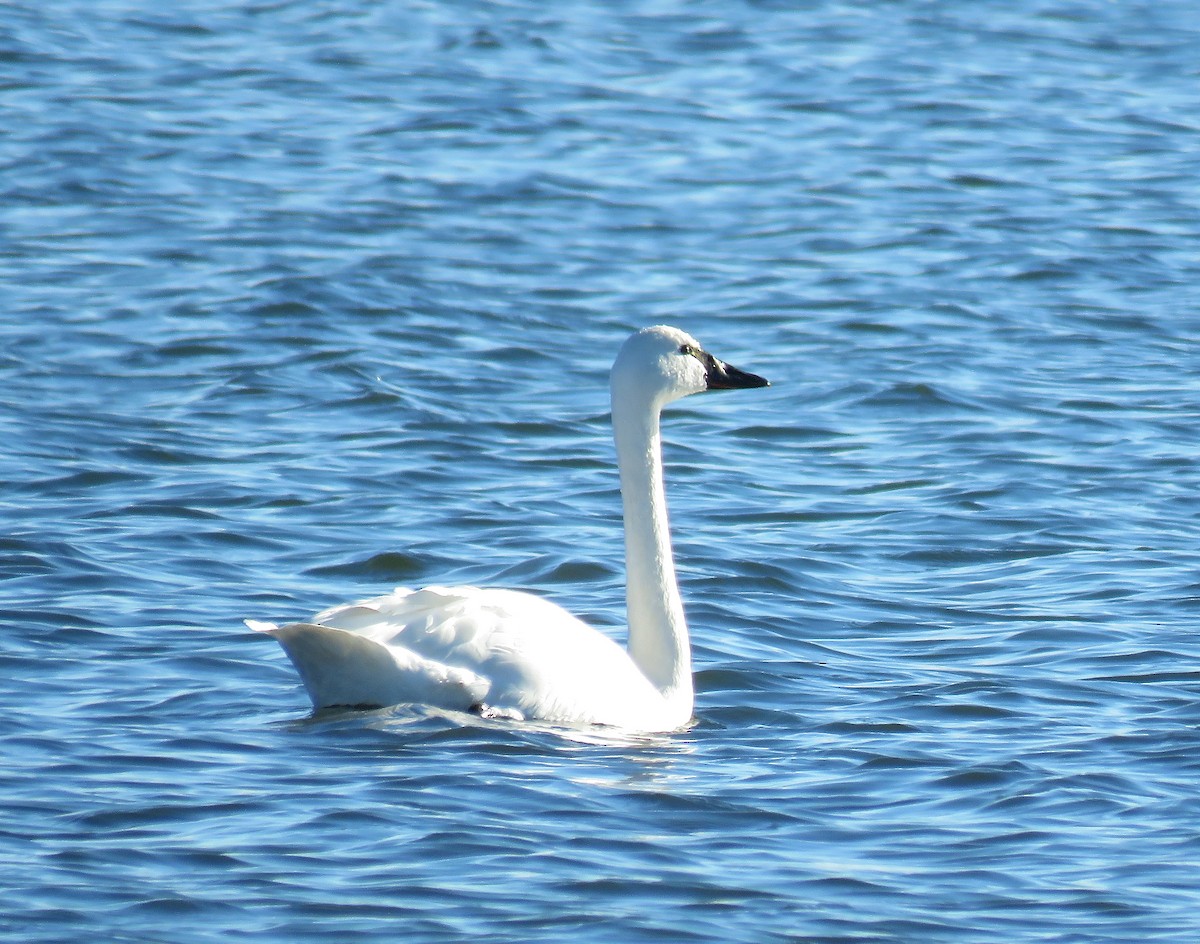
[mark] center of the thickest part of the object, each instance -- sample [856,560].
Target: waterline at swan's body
[515,654]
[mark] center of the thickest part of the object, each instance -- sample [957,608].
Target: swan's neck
[658,636]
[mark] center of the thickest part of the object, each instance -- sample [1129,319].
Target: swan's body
[517,655]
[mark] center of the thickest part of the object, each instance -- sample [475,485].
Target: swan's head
[661,364]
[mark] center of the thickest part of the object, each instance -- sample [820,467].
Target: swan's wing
[528,654]
[343,668]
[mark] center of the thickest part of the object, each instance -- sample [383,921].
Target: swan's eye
[690,350]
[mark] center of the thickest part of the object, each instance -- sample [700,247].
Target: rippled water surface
[301,301]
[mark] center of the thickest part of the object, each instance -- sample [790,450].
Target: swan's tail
[344,669]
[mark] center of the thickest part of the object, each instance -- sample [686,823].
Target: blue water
[303,300]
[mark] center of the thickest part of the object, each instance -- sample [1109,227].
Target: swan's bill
[722,376]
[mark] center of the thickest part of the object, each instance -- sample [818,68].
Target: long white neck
[658,635]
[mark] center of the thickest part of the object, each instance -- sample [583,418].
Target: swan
[509,654]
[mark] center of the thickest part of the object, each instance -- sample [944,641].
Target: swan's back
[468,648]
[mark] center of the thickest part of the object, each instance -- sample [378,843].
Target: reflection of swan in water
[512,654]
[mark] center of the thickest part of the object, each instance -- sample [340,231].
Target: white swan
[510,654]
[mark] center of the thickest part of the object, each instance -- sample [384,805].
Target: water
[303,300]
